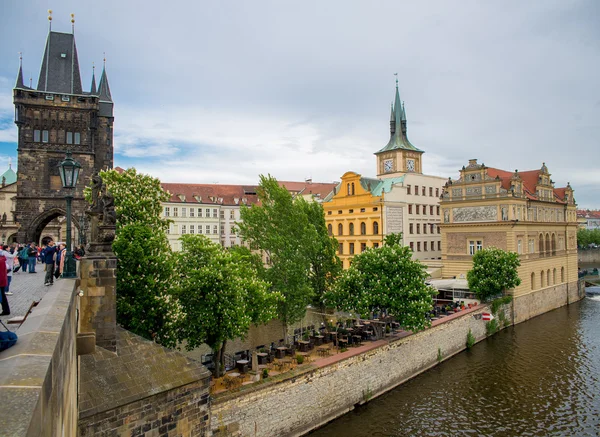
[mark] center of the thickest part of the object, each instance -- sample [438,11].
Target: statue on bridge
[103,218]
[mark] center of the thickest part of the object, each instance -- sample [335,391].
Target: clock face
[388,165]
[410,164]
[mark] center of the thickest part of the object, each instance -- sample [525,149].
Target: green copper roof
[399,139]
[379,186]
[9,175]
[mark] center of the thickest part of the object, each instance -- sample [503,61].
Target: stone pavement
[26,287]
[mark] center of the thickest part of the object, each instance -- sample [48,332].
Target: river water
[539,378]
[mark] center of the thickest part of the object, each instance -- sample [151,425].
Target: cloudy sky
[222,91]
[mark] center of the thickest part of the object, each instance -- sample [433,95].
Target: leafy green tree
[386,278]
[280,228]
[494,271]
[220,295]
[585,237]
[325,265]
[145,266]
[392,239]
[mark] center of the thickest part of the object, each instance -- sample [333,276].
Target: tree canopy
[289,233]
[220,294]
[585,237]
[494,271]
[386,278]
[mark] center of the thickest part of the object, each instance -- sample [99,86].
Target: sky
[222,91]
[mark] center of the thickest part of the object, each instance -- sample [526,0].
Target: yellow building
[515,211]
[400,200]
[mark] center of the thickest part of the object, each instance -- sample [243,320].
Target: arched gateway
[55,117]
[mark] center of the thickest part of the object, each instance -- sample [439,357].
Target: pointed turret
[397,108]
[403,119]
[106,103]
[19,83]
[60,65]
[392,122]
[93,89]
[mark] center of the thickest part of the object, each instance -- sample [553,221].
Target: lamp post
[69,173]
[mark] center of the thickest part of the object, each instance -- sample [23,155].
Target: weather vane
[396,74]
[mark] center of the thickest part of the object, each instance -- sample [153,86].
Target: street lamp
[69,173]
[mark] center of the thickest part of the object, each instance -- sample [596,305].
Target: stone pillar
[98,307]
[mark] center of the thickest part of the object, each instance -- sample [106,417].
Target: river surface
[539,378]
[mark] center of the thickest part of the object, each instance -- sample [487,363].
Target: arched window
[548,248]
[349,192]
[329,229]
[554,245]
[340,229]
[548,278]
[353,188]
[533,281]
[351,229]
[375,228]
[541,244]
[542,279]
[554,276]
[363,228]
[562,274]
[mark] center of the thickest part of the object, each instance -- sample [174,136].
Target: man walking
[48,259]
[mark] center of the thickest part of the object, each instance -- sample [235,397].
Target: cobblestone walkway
[26,287]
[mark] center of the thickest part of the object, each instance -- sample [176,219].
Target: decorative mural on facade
[475,214]
[393,220]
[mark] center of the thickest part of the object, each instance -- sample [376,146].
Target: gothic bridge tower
[55,117]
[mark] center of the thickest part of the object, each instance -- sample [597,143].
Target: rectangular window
[424,246]
[412,246]
[232,214]
[408,189]
[437,210]
[418,246]
[472,247]
[215,230]
[418,228]
[431,210]
[341,248]
[77,138]
[519,249]
[363,247]
[410,209]
[167,211]
[432,246]
[192,229]
[479,245]
[424,208]
[410,228]
[192,211]
[222,229]
[232,230]
[350,211]
[175,212]
[439,230]
[183,212]
[69,137]
[531,245]
[222,214]
[207,212]
[437,192]
[430,191]
[425,228]
[416,190]
[183,229]
[207,229]
[199,229]
[215,213]
[431,230]
[351,248]
[375,209]
[329,212]
[168,230]
[199,212]
[363,210]
[439,245]
[423,191]
[375,245]
[37,136]
[45,137]
[417,209]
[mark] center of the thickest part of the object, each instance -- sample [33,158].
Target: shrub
[491,327]
[470,339]
[265,373]
[439,356]
[497,303]
[299,359]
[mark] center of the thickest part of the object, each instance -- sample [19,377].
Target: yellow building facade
[354,215]
[516,211]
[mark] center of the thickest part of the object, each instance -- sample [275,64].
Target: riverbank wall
[589,256]
[307,399]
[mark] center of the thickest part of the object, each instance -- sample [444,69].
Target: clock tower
[399,156]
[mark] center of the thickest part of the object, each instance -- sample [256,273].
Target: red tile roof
[318,189]
[530,180]
[586,213]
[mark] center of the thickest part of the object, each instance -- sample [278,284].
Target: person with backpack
[23,258]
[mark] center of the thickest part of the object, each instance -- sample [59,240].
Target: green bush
[497,303]
[470,339]
[265,373]
[491,327]
[299,359]
[439,357]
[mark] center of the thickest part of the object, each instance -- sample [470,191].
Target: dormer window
[63,55]
[65,98]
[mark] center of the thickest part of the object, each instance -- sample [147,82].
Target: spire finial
[104,60]
[396,74]
[20,59]
[9,162]
[50,19]
[73,23]
[30,81]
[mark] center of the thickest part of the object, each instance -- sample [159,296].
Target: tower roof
[10,177]
[93,89]
[19,83]
[60,65]
[103,88]
[399,140]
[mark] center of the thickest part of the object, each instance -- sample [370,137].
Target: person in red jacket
[3,285]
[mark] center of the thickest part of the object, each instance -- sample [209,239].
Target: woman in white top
[10,262]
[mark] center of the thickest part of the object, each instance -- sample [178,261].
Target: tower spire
[93,90]
[392,121]
[20,83]
[49,20]
[403,122]
[73,24]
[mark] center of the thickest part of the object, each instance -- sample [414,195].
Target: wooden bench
[21,319]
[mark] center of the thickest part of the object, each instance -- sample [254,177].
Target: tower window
[69,137]
[37,136]
[77,138]
[45,136]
